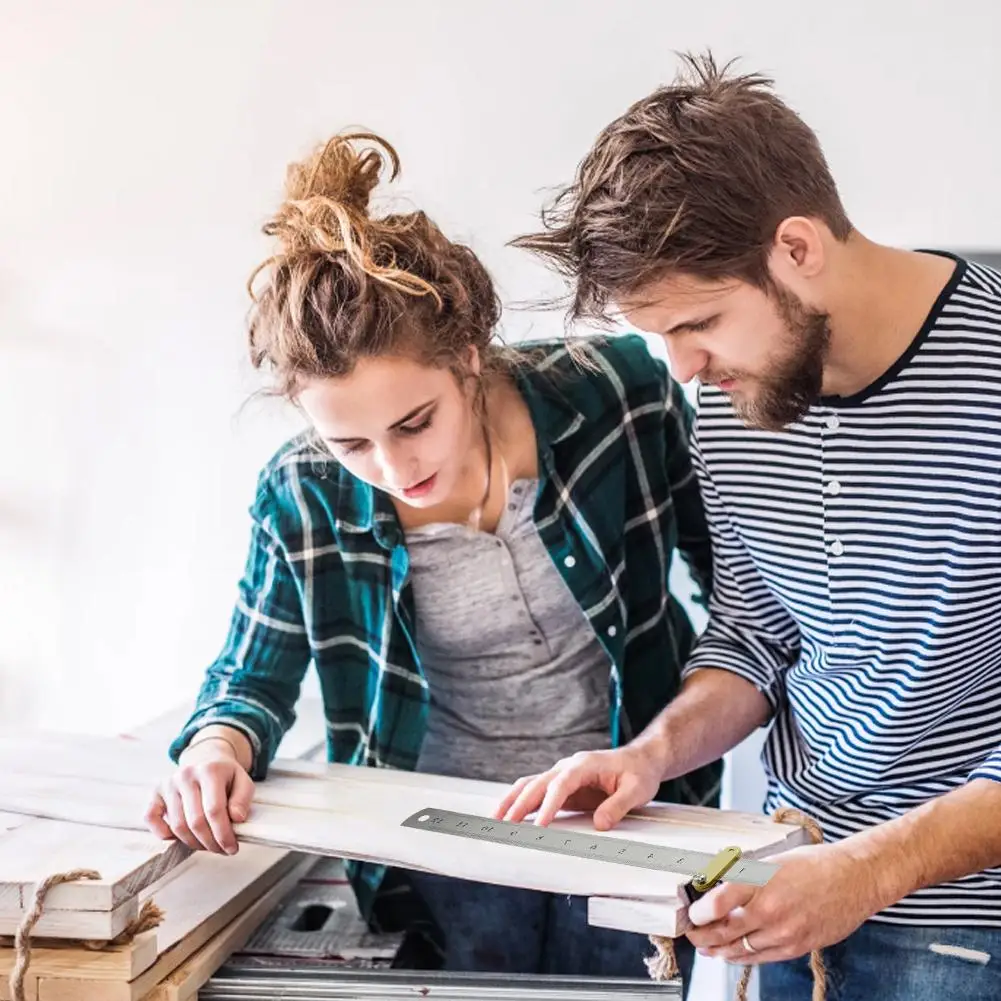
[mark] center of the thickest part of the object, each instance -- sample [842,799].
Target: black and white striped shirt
[858,584]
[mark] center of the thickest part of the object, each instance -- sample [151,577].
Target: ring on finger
[746,944]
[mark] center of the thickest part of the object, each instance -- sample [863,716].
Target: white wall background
[142,144]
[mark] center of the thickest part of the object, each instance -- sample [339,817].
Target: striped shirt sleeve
[749,632]
[991,768]
[254,683]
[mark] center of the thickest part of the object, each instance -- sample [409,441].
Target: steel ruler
[705,869]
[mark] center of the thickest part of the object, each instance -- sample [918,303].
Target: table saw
[316,947]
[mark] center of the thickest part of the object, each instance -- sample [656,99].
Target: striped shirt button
[834,488]
[837,547]
[833,422]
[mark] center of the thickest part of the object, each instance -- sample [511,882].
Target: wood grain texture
[116,962]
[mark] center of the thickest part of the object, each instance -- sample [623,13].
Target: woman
[495,525]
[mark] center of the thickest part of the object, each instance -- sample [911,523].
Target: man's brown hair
[693,180]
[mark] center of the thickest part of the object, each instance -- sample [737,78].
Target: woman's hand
[199,803]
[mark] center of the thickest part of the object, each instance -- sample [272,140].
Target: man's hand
[819,896]
[611,783]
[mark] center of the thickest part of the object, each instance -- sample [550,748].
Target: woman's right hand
[199,803]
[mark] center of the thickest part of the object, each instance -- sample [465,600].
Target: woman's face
[404,427]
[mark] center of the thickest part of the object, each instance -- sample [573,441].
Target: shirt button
[833,422]
[837,547]
[612,630]
[834,488]
[570,562]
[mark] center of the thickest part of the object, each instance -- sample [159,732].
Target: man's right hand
[199,803]
[611,783]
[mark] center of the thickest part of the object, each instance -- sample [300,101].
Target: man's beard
[793,385]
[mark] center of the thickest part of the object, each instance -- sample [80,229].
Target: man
[848,447]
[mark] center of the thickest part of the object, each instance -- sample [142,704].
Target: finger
[240,797]
[769,947]
[725,931]
[511,796]
[561,788]
[529,798]
[719,901]
[215,805]
[175,818]
[155,819]
[194,815]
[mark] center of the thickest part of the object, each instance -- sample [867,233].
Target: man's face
[766,350]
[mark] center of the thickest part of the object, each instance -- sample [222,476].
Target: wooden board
[127,861]
[183,984]
[198,899]
[182,979]
[648,917]
[356,813]
[199,904]
[116,963]
[97,925]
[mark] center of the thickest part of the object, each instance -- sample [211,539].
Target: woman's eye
[412,429]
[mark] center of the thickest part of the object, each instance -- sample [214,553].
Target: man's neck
[881,301]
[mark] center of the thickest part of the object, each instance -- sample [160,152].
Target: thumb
[612,810]
[240,796]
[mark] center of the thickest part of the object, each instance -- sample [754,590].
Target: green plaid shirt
[326,578]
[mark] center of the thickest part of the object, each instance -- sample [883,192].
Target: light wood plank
[117,962]
[648,917]
[30,986]
[190,959]
[128,861]
[356,813]
[183,984]
[199,898]
[213,892]
[103,925]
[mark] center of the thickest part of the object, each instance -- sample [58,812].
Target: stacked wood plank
[211,904]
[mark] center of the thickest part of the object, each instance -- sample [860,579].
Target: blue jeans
[883,962]
[501,929]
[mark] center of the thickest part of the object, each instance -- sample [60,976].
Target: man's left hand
[819,896]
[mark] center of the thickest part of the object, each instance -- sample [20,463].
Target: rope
[149,917]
